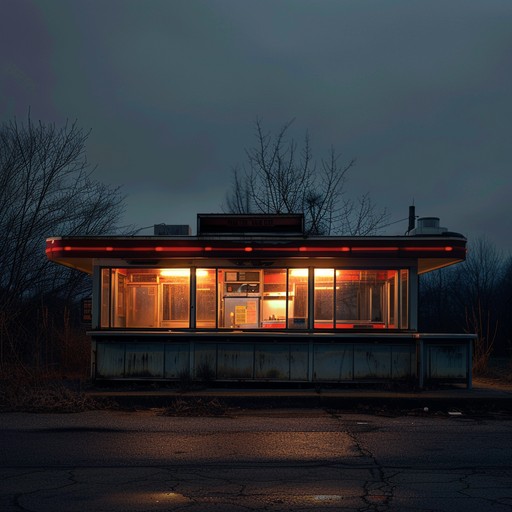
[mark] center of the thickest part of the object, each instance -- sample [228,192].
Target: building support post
[420,351]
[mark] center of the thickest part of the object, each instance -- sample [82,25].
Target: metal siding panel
[401,363]
[205,357]
[235,361]
[333,361]
[447,361]
[299,361]
[177,358]
[109,360]
[145,360]
[272,361]
[372,361]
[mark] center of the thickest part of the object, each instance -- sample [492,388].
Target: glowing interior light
[201,272]
[299,272]
[324,272]
[175,272]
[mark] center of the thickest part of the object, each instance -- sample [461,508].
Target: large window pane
[105,298]
[404,299]
[324,298]
[142,306]
[175,287]
[206,304]
[274,299]
[392,298]
[119,302]
[142,298]
[298,298]
[365,298]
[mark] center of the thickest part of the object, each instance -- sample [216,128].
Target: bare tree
[46,188]
[471,296]
[281,177]
[478,283]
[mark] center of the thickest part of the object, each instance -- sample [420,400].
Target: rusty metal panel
[205,359]
[144,360]
[447,361]
[372,361]
[272,361]
[403,361]
[333,361]
[177,360]
[299,361]
[109,360]
[235,361]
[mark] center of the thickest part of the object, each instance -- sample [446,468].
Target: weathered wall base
[294,358]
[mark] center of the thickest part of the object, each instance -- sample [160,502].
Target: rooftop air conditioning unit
[428,226]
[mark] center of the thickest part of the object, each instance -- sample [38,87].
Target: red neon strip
[274,249]
[69,248]
[172,249]
[431,249]
[375,249]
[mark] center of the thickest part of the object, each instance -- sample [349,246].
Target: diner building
[253,298]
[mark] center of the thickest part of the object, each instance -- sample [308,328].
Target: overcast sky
[418,92]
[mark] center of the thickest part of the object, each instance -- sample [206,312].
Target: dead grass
[497,369]
[196,407]
[42,396]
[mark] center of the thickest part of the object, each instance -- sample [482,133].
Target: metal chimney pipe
[412,218]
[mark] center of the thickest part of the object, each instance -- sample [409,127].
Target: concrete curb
[483,398]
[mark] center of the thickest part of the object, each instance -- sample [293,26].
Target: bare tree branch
[280,177]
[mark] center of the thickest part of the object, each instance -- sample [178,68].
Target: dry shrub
[196,407]
[38,395]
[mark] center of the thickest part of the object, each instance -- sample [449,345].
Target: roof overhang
[81,252]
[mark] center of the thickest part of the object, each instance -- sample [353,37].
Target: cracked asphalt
[269,460]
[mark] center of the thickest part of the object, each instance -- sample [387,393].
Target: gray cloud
[418,92]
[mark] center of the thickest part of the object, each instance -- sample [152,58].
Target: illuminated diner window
[366,298]
[145,298]
[273,306]
[174,284]
[297,303]
[404,299]
[206,298]
[254,298]
[105,298]
[324,298]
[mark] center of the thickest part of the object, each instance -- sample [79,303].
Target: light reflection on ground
[326,497]
[160,498]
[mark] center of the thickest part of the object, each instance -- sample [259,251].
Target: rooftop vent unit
[171,229]
[428,226]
